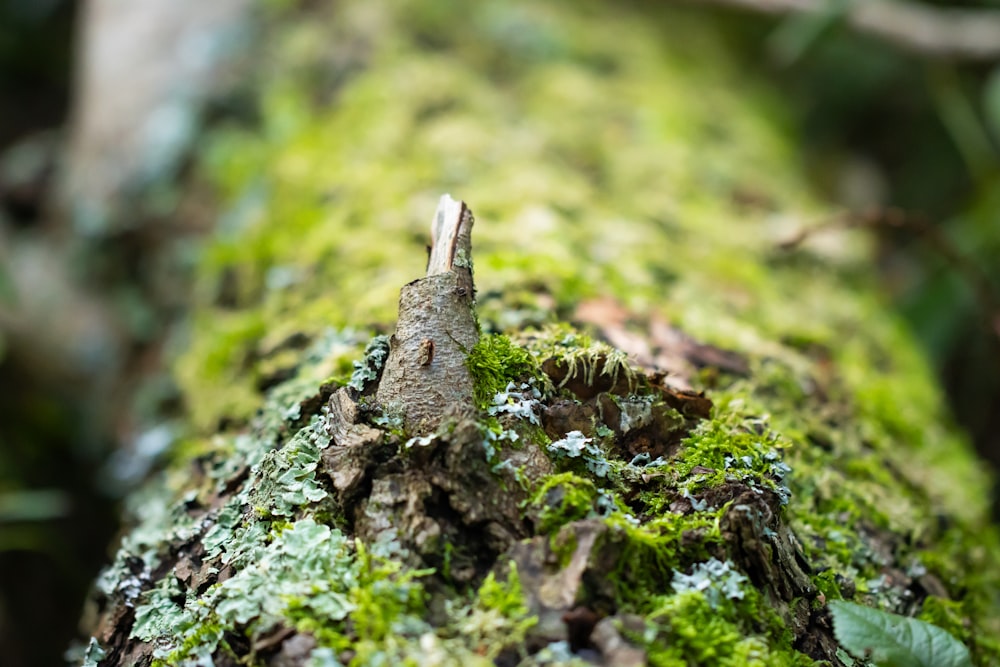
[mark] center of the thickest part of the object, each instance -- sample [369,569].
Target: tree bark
[658,439]
[425,374]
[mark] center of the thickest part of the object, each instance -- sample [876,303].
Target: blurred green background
[910,143]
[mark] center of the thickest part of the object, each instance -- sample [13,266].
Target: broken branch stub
[425,376]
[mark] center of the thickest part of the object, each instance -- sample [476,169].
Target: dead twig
[938,32]
[985,291]
[425,376]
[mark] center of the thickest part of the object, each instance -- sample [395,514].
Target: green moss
[687,630]
[560,499]
[652,551]
[733,453]
[826,583]
[494,362]
[220,360]
[386,599]
[835,549]
[506,598]
[499,616]
[309,241]
[946,614]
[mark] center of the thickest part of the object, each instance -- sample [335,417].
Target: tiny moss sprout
[563,498]
[582,358]
[494,362]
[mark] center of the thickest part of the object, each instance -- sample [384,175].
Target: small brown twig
[984,291]
[938,32]
[425,376]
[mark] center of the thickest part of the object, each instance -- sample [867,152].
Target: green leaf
[890,640]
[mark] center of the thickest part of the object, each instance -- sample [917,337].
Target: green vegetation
[498,617]
[686,629]
[585,184]
[889,640]
[494,362]
[562,498]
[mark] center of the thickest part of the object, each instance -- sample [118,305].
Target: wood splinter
[425,376]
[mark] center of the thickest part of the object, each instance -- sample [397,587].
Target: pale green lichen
[576,446]
[368,369]
[715,579]
[285,479]
[93,654]
[306,567]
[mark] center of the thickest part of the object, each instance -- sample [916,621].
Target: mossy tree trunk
[681,441]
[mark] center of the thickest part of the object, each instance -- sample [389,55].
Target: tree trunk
[659,439]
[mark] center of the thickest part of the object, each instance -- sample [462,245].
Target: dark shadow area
[55,523]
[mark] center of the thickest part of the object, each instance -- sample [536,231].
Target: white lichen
[715,579]
[576,445]
[520,401]
[368,369]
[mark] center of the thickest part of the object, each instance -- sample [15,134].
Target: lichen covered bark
[682,440]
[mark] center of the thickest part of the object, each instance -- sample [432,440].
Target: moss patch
[686,629]
[609,154]
[494,362]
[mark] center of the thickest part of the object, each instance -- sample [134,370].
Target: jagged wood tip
[450,235]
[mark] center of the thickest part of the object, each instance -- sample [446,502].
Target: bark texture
[425,374]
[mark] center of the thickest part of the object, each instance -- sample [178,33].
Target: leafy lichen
[368,369]
[576,446]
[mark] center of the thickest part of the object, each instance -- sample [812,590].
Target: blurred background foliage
[53,515]
[910,144]
[916,142]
